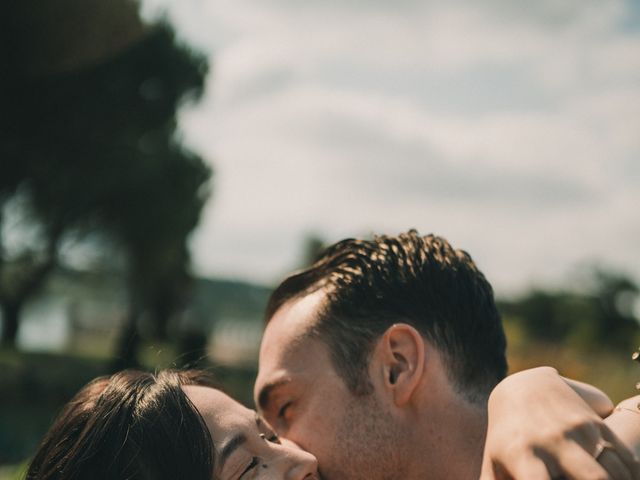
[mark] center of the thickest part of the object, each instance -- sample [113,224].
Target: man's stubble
[369,444]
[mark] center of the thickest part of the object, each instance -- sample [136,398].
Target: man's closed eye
[283,410]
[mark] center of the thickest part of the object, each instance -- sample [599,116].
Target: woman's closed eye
[271,437]
[266,431]
[252,465]
[268,435]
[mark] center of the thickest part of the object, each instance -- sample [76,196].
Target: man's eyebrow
[231,446]
[267,390]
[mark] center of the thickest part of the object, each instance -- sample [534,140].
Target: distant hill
[216,299]
[95,301]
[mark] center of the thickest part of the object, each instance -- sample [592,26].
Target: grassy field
[12,472]
[612,371]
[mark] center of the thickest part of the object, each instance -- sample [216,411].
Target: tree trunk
[126,354]
[32,279]
[10,323]
[129,338]
[162,309]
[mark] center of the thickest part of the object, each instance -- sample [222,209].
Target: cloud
[510,127]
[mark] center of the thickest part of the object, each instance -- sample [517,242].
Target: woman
[173,425]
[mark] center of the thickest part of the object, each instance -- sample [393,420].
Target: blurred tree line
[89,154]
[600,313]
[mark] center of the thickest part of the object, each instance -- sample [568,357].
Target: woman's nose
[297,463]
[304,468]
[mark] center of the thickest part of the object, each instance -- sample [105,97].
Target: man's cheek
[328,470]
[291,444]
[312,440]
[297,435]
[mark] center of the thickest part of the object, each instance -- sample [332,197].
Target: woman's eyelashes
[253,464]
[270,436]
[266,431]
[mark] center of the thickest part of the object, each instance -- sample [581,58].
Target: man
[380,360]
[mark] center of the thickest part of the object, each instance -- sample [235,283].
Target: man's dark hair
[133,425]
[422,281]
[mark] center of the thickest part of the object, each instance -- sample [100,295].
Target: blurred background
[164,164]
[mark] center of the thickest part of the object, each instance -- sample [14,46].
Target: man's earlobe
[403,354]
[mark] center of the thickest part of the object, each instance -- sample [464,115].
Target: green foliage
[13,472]
[610,369]
[34,387]
[93,151]
[600,315]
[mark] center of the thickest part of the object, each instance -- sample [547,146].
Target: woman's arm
[540,426]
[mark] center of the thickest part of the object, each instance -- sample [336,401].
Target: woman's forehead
[219,411]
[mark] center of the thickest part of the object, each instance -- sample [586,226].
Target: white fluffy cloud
[508,127]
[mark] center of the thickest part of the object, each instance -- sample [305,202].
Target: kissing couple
[384,360]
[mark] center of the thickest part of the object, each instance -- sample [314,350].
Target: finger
[530,467]
[612,463]
[493,471]
[487,470]
[624,453]
[577,464]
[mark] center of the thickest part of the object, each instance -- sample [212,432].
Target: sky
[509,127]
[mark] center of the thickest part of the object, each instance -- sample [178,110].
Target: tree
[313,245]
[22,273]
[93,149]
[613,296]
[599,314]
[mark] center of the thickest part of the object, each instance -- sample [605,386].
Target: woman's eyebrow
[231,446]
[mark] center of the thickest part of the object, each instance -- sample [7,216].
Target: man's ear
[401,353]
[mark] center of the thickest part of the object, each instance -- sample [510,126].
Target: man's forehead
[285,339]
[299,313]
[291,324]
[292,372]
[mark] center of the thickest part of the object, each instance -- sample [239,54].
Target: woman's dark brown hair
[132,425]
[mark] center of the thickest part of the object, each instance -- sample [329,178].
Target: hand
[539,428]
[625,423]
